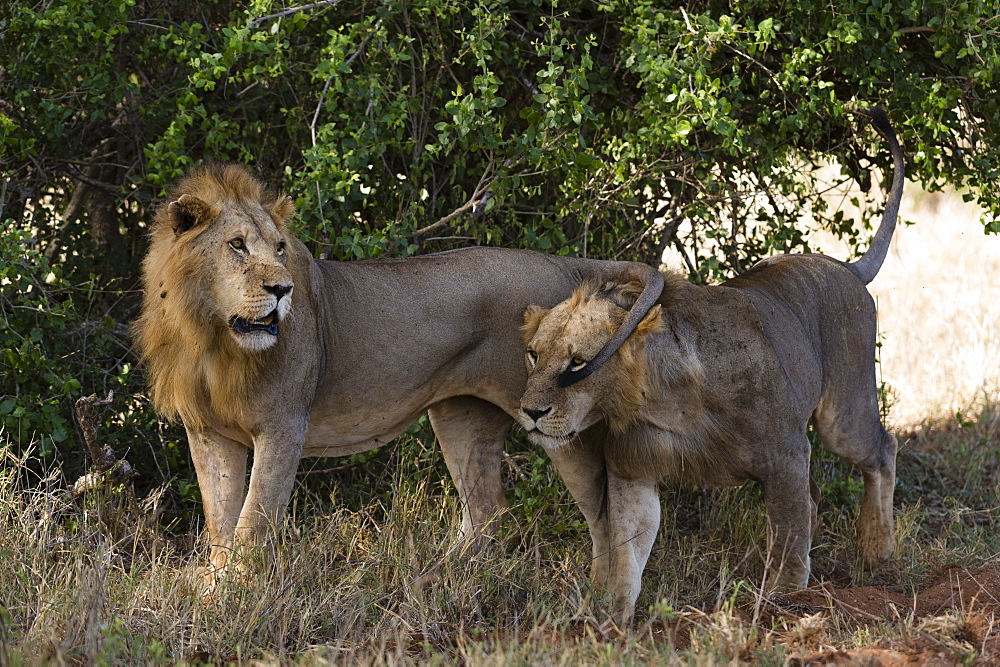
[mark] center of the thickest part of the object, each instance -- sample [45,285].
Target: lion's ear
[283,208]
[187,212]
[622,294]
[533,316]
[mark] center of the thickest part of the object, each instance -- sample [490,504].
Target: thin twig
[319,105]
[293,10]
[485,182]
[326,87]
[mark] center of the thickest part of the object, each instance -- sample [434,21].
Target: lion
[716,386]
[253,343]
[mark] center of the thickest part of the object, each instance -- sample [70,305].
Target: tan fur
[630,378]
[719,389]
[716,386]
[172,332]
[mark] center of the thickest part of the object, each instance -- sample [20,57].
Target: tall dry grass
[97,581]
[938,300]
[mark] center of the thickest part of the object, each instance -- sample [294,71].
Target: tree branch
[479,194]
[293,10]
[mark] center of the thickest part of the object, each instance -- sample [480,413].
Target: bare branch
[293,10]
[85,415]
[480,194]
[107,465]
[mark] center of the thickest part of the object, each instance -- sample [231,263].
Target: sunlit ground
[938,297]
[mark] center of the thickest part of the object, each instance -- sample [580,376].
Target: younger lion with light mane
[717,386]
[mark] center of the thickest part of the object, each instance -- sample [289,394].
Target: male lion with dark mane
[717,386]
[253,343]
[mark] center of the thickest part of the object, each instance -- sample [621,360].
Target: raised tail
[868,266]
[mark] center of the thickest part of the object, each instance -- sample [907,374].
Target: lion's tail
[868,266]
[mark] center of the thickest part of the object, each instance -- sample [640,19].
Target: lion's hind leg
[876,525]
[790,519]
[864,443]
[472,433]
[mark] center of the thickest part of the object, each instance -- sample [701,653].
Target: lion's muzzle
[552,432]
[249,329]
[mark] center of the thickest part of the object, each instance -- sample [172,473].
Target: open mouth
[267,324]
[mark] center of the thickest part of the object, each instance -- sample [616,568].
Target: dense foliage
[607,129]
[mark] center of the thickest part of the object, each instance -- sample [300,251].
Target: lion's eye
[532,358]
[576,363]
[238,244]
[281,247]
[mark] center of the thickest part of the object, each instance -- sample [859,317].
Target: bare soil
[952,617]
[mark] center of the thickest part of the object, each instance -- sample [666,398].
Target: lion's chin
[255,342]
[551,441]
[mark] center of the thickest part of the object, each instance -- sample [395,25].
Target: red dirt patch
[954,615]
[951,588]
[953,618]
[905,655]
[863,604]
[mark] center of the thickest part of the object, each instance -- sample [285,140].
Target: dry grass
[939,305]
[96,580]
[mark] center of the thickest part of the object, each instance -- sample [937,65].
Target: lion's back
[818,317]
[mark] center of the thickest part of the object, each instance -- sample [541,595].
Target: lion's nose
[537,414]
[279,290]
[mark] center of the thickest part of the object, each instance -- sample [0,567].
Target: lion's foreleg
[275,460]
[472,433]
[221,465]
[582,468]
[634,520]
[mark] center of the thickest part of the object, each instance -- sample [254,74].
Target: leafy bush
[577,127]
[62,339]
[36,315]
[608,129]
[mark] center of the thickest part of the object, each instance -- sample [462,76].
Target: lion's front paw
[208,580]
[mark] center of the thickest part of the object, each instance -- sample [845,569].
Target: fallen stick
[107,465]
